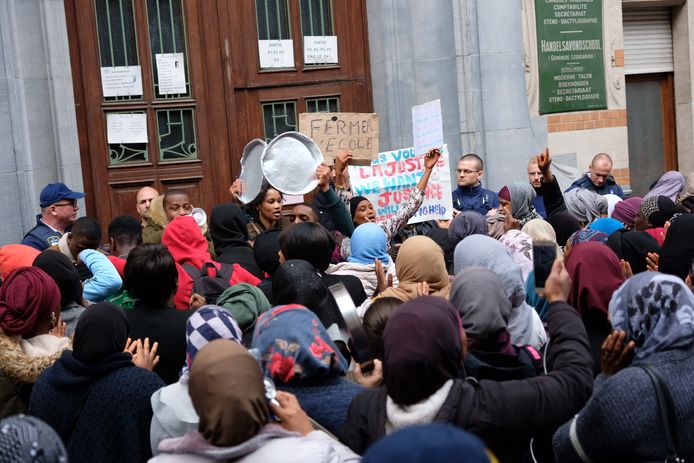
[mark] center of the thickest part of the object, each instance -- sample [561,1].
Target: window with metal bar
[167,34]
[316,17]
[115,27]
[278,117]
[127,153]
[272,18]
[176,135]
[328,104]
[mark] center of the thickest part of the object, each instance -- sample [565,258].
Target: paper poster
[427,127]
[276,53]
[171,73]
[121,81]
[320,49]
[288,200]
[123,128]
[389,184]
[338,132]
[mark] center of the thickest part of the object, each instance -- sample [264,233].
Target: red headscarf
[13,256]
[27,296]
[595,274]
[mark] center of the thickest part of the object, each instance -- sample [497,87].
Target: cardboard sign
[389,184]
[338,132]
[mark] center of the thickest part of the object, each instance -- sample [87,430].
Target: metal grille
[115,27]
[273,20]
[176,135]
[316,17]
[278,117]
[129,153]
[329,104]
[167,34]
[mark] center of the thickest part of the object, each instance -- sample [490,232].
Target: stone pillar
[37,111]
[682,30]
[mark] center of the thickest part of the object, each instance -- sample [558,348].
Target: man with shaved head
[599,178]
[144,200]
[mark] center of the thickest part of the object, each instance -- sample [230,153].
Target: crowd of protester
[178,340]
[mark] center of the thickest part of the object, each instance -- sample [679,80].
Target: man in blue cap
[58,212]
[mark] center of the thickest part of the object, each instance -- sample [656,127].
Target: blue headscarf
[656,311]
[607,225]
[369,242]
[295,346]
[431,443]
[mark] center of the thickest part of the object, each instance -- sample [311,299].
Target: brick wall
[621,176]
[585,120]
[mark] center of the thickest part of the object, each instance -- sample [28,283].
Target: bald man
[599,178]
[144,200]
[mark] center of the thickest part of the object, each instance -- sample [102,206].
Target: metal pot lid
[289,163]
[362,348]
[251,170]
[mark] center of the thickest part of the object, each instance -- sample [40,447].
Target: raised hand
[323,174]
[616,353]
[59,329]
[383,281]
[431,158]
[652,259]
[558,284]
[372,379]
[292,417]
[544,162]
[197,301]
[341,162]
[145,356]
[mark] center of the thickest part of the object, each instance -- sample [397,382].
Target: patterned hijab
[587,235]
[28,439]
[522,195]
[208,323]
[295,346]
[656,311]
[658,210]
[520,245]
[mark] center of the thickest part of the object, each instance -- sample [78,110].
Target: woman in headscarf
[481,301]
[266,249]
[520,245]
[32,336]
[13,256]
[227,392]
[565,225]
[369,243]
[627,210]
[300,357]
[431,443]
[606,225]
[633,247]
[441,238]
[612,201]
[623,420]
[423,346]
[524,323]
[585,235]
[677,252]
[174,414]
[517,199]
[686,198]
[585,205]
[419,260]
[654,212]
[670,184]
[541,230]
[595,274]
[59,267]
[28,439]
[95,397]
[229,233]
[465,224]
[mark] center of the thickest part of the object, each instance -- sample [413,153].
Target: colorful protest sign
[388,183]
[427,127]
[338,132]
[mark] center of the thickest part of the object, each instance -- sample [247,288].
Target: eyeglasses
[72,203]
[467,171]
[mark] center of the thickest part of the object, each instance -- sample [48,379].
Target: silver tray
[251,171]
[289,163]
[354,329]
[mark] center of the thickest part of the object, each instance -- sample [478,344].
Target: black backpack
[210,284]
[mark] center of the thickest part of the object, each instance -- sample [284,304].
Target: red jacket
[187,245]
[119,264]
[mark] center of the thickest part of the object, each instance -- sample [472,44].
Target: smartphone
[544,254]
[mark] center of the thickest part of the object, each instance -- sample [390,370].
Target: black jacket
[552,197]
[504,414]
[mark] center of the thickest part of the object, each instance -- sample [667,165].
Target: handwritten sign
[122,128]
[276,53]
[338,132]
[171,73]
[121,81]
[389,181]
[320,49]
[427,127]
